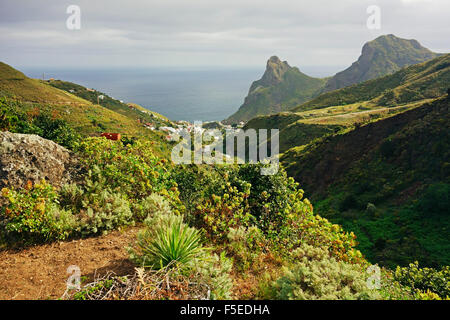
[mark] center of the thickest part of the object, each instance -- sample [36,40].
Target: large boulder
[26,157]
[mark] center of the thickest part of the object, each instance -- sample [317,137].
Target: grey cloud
[200,32]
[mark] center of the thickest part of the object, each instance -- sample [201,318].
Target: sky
[210,33]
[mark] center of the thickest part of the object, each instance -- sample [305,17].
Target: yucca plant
[167,242]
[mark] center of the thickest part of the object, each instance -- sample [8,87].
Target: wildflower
[5,192]
[29,185]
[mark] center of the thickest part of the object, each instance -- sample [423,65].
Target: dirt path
[41,272]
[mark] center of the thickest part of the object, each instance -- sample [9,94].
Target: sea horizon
[179,93]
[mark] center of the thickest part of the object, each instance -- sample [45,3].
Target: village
[173,132]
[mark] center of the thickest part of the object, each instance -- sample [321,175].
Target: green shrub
[220,213]
[349,202]
[425,279]
[32,215]
[427,295]
[71,195]
[14,119]
[245,245]
[436,200]
[166,241]
[199,183]
[97,211]
[214,271]
[232,197]
[272,198]
[56,130]
[371,209]
[154,204]
[192,183]
[132,170]
[316,276]
[104,212]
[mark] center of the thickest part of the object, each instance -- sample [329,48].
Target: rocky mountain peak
[275,70]
[381,56]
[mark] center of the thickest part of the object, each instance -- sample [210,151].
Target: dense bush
[425,279]
[214,271]
[318,277]
[317,231]
[103,212]
[272,198]
[32,215]
[349,202]
[199,183]
[235,197]
[222,212]
[154,204]
[14,119]
[436,200]
[97,208]
[132,170]
[245,245]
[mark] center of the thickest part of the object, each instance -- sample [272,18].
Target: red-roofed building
[112,136]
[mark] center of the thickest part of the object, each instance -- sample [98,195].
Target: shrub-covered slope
[387,181]
[129,110]
[209,231]
[79,107]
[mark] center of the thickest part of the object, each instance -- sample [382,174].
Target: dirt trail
[40,272]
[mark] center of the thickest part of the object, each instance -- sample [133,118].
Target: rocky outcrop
[25,157]
[275,70]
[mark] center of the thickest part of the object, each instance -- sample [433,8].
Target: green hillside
[300,128]
[293,132]
[224,231]
[363,103]
[280,88]
[129,110]
[382,56]
[387,181]
[79,107]
[14,84]
[31,105]
[283,86]
[421,81]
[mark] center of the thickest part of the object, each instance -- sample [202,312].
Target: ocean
[179,94]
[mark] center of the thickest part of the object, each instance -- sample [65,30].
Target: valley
[88,180]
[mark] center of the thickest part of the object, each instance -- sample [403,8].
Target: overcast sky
[209,32]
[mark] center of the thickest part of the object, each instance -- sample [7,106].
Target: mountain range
[282,86]
[369,101]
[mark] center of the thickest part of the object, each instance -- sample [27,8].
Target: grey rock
[26,157]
